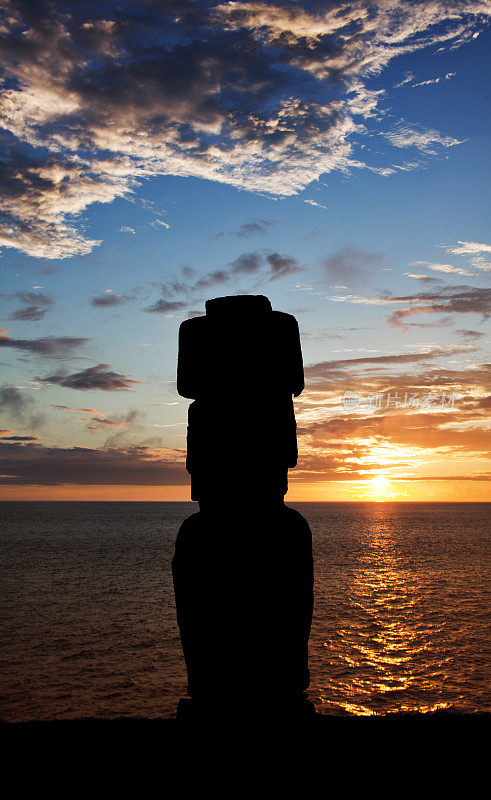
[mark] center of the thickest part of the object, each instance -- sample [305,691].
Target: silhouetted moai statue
[242,568]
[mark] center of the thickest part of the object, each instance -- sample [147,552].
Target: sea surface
[401,617]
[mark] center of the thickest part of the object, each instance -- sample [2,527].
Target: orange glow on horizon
[376,489]
[82,492]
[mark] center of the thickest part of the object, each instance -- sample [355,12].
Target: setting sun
[381,488]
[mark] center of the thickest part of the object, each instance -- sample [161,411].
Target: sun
[380,488]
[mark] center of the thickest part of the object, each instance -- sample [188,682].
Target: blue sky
[332,156]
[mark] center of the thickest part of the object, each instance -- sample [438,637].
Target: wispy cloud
[447,268]
[315,203]
[447,299]
[324,368]
[467,333]
[410,80]
[422,139]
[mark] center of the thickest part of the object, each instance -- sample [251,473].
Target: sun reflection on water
[379,652]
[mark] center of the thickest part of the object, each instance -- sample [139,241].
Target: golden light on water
[386,649]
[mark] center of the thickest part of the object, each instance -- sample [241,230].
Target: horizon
[335,159]
[294,502]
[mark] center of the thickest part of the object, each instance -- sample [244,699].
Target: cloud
[39,195]
[408,78]
[28,313]
[282,266]
[323,369]
[403,442]
[255,227]
[330,381]
[46,346]
[101,422]
[432,81]
[468,248]
[36,304]
[445,299]
[466,333]
[477,252]
[108,299]
[75,410]
[19,407]
[346,266]
[13,402]
[166,306]
[314,203]
[33,464]
[261,267]
[447,268]
[423,139]
[159,223]
[130,418]
[99,377]
[19,438]
[448,299]
[245,264]
[95,101]
[424,278]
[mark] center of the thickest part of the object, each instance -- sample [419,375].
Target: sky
[333,156]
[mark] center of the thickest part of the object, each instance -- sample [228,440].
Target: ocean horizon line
[288,502]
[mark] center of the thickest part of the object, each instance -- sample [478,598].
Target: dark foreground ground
[433,755]
[441,727]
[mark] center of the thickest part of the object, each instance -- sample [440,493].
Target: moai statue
[242,568]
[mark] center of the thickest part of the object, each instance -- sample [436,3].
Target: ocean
[401,618]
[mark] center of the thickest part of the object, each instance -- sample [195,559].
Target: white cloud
[106,104]
[359,299]
[479,262]
[448,268]
[467,248]
[159,223]
[407,79]
[436,80]
[424,140]
[474,249]
[314,203]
